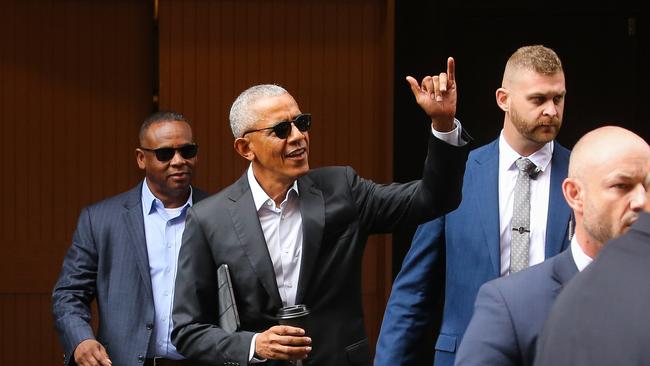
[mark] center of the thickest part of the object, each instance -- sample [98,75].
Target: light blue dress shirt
[163,232]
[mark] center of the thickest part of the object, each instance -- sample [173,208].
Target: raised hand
[437,97]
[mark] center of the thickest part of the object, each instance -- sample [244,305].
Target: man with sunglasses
[291,235]
[124,255]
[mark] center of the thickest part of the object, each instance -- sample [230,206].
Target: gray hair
[242,117]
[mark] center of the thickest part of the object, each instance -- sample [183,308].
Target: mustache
[549,121]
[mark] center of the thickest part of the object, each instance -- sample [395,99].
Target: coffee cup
[294,316]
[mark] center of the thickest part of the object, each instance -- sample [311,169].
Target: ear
[573,194]
[242,146]
[503,99]
[139,158]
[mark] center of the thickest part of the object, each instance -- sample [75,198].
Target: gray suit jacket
[339,210]
[510,312]
[602,317]
[108,262]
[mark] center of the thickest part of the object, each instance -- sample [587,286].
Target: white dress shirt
[539,199]
[581,259]
[282,227]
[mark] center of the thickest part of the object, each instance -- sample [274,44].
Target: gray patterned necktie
[520,245]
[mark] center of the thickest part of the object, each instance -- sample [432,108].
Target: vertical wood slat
[75,84]
[26,334]
[334,57]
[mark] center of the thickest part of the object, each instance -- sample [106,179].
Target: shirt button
[149,326]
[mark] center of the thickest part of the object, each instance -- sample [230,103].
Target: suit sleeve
[383,208]
[75,289]
[490,338]
[409,312]
[196,334]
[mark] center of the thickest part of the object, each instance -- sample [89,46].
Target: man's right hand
[91,353]
[282,342]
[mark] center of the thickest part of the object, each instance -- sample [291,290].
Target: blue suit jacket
[108,262]
[468,239]
[510,312]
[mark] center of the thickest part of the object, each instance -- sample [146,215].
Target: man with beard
[473,243]
[606,189]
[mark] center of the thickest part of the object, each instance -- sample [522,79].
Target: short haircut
[242,115]
[537,58]
[160,116]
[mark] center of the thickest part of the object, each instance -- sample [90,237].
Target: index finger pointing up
[451,69]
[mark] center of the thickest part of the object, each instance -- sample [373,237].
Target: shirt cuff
[453,137]
[251,353]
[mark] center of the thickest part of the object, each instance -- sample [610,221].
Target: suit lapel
[557,222]
[564,268]
[134,223]
[312,210]
[247,227]
[485,181]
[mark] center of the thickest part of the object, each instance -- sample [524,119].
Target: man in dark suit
[601,317]
[473,243]
[124,254]
[292,235]
[606,190]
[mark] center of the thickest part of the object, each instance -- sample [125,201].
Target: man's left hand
[437,97]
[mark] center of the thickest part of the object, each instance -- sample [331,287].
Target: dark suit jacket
[108,262]
[510,313]
[339,210]
[465,243]
[602,317]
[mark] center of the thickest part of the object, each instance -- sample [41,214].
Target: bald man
[606,189]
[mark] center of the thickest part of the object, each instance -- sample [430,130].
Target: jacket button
[149,326]
[141,359]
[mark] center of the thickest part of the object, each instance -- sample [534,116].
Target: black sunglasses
[167,153]
[283,129]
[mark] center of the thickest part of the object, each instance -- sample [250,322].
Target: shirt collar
[150,202]
[507,155]
[582,260]
[259,196]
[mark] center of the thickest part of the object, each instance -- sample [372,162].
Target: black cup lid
[293,311]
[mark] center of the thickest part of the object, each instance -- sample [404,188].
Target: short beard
[528,129]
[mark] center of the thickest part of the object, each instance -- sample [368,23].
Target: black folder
[228,315]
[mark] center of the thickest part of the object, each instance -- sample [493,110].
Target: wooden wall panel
[75,84]
[335,57]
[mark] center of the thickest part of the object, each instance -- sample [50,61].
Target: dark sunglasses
[283,129]
[167,153]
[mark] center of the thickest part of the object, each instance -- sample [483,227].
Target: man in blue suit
[606,189]
[473,242]
[124,255]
